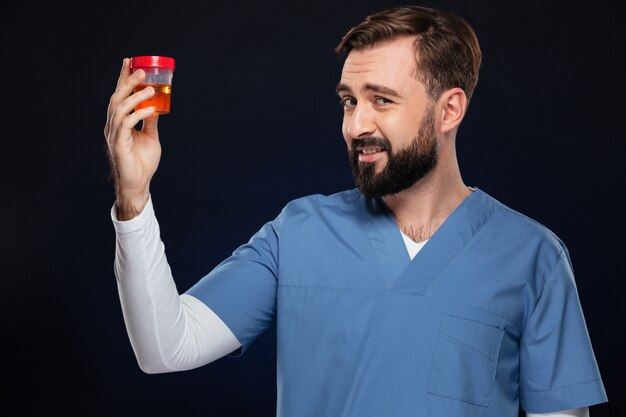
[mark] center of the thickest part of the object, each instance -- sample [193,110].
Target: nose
[360,122]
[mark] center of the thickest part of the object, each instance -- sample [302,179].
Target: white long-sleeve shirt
[168,332]
[171,332]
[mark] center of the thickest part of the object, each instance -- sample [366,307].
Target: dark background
[255,123]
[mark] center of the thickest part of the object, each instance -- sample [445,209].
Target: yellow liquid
[160,100]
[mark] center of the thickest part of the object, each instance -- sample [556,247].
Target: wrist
[130,206]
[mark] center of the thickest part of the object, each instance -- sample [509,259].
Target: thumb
[150,124]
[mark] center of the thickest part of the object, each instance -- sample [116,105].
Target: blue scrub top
[484,317]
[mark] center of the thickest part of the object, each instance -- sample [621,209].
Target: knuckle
[134,77]
[127,82]
[113,103]
[128,122]
[117,115]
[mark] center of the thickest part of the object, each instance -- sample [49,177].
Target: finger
[126,86]
[125,128]
[124,108]
[122,81]
[150,124]
[124,73]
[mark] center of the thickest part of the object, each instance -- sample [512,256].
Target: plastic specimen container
[159,72]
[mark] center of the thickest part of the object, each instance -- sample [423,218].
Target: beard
[404,167]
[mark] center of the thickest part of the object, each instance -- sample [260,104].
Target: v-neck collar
[386,240]
[398,271]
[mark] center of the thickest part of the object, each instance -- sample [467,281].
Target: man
[413,295]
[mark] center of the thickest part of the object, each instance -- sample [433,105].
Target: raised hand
[134,154]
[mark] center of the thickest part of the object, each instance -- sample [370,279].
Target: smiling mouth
[370,153]
[369,150]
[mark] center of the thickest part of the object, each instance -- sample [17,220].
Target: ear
[453,106]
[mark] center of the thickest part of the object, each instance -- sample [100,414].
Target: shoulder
[519,225]
[317,211]
[320,203]
[525,236]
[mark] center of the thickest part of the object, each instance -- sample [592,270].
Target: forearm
[168,332]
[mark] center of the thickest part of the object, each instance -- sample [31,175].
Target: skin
[134,154]
[420,209]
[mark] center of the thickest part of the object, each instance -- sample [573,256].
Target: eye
[383,101]
[347,102]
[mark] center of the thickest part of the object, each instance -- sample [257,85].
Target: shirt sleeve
[558,370]
[242,289]
[579,412]
[167,332]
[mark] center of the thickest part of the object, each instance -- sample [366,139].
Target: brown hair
[446,46]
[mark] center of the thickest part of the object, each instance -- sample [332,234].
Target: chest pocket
[465,361]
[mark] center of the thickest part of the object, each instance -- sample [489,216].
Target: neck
[422,208]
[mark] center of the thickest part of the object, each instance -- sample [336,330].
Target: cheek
[401,127]
[344,130]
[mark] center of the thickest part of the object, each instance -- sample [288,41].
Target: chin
[378,165]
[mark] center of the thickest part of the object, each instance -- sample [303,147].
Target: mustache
[371,141]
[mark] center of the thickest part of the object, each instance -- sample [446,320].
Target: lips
[370,153]
[369,149]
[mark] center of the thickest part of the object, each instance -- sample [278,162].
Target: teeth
[370,151]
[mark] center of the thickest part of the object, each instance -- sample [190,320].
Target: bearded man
[411,295]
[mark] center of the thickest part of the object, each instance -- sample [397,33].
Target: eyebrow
[369,87]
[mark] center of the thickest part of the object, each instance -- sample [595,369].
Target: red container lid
[152,62]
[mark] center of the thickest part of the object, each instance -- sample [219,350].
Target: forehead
[391,63]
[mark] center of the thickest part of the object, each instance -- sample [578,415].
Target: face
[388,121]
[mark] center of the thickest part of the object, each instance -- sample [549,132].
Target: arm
[168,332]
